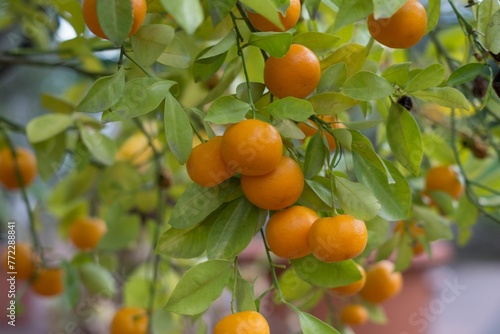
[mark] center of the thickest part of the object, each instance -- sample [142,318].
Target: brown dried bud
[165,179]
[480,87]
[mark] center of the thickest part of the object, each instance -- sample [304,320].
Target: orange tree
[338,111]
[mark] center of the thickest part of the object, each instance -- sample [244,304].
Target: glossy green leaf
[292,286]
[492,38]
[47,126]
[56,104]
[315,156]
[465,216]
[312,7]
[266,8]
[404,254]
[403,136]
[397,74]
[288,128]
[352,11]
[175,55]
[387,248]
[185,243]
[252,91]
[204,69]
[232,231]
[312,325]
[332,78]
[50,155]
[362,125]
[72,284]
[220,48]
[177,129]
[444,96]
[356,199]
[101,147]
[319,43]
[150,41]
[326,275]
[227,109]
[97,279]
[276,44]
[483,14]
[104,93]
[219,9]
[187,13]
[465,74]
[433,14]
[431,76]
[291,108]
[115,18]
[331,103]
[383,9]
[366,86]
[199,287]
[436,227]
[377,232]
[245,295]
[316,195]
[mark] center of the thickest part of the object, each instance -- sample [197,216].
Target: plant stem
[235,284]
[271,267]
[137,64]
[11,125]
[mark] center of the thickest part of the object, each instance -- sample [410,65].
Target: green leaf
[199,287]
[140,96]
[465,74]
[175,54]
[362,125]
[288,128]
[56,104]
[219,9]
[185,243]
[383,9]
[245,295]
[276,44]
[404,254]
[71,11]
[177,129]
[331,103]
[435,226]
[119,183]
[403,136]
[232,231]
[366,86]
[316,195]
[290,108]
[318,42]
[444,96]
[101,147]
[47,126]
[431,76]
[292,286]
[115,18]
[397,74]
[394,198]
[204,69]
[312,325]
[72,284]
[377,231]
[376,312]
[356,199]
[315,156]
[104,93]
[492,38]
[387,248]
[220,48]
[123,229]
[433,14]
[465,216]
[326,275]
[231,71]
[187,13]
[332,78]
[50,155]
[256,91]
[97,279]
[227,109]
[149,42]
[312,7]
[197,202]
[483,14]
[266,8]
[351,11]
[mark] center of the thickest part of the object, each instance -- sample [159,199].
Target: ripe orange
[381,283]
[129,320]
[354,315]
[402,30]
[287,232]
[296,74]
[277,189]
[206,166]
[86,232]
[26,162]
[252,147]
[22,261]
[445,179]
[353,288]
[48,281]
[243,323]
[415,232]
[337,238]
[311,131]
[290,19]
[89,11]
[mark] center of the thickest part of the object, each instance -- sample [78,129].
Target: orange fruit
[295,74]
[26,162]
[287,231]
[403,29]
[129,320]
[137,150]
[21,258]
[206,166]
[246,322]
[86,232]
[352,288]
[277,189]
[354,315]
[381,283]
[252,147]
[311,131]
[288,21]
[445,179]
[89,11]
[337,238]
[48,282]
[415,232]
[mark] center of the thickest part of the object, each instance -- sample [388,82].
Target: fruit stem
[271,267]
[11,125]
[235,284]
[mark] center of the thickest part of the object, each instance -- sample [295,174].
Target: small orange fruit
[21,259]
[287,231]
[352,288]
[245,322]
[137,149]
[86,232]
[403,29]
[311,131]
[277,189]
[206,166]
[48,282]
[415,232]
[337,238]
[445,179]
[130,320]
[288,21]
[381,283]
[26,162]
[354,315]
[295,74]
[89,11]
[252,147]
